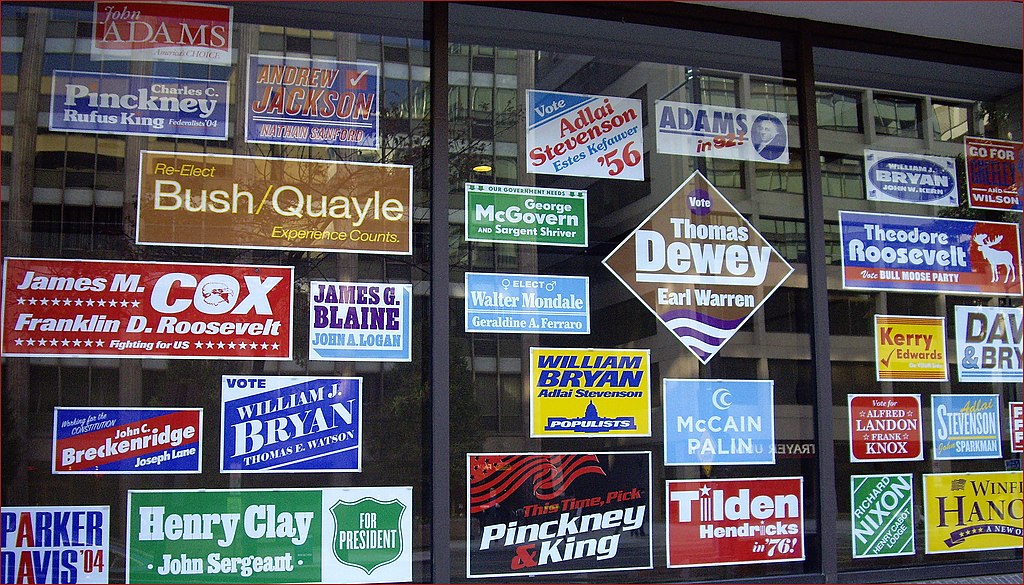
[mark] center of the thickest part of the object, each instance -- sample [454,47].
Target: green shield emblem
[367,532]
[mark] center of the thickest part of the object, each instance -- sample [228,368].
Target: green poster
[329,535]
[526,215]
[882,515]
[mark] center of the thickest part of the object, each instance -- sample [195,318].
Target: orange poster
[228,201]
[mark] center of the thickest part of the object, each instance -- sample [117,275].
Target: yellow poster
[590,392]
[910,349]
[973,511]
[234,201]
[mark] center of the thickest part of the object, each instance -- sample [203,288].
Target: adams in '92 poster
[552,513]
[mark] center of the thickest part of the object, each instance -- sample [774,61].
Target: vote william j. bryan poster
[291,424]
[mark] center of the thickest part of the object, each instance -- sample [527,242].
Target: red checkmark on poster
[885,362]
[356,79]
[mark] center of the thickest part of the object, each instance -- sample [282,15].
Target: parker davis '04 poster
[34,551]
[546,514]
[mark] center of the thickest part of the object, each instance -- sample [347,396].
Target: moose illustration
[996,258]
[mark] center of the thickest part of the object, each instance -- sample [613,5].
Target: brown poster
[699,266]
[229,201]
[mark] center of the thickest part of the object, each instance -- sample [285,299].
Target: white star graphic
[67,302]
[220,345]
[21,301]
[99,343]
[231,345]
[124,303]
[252,345]
[31,342]
[135,304]
[209,345]
[77,342]
[18,342]
[90,302]
[78,302]
[705,490]
[264,346]
[275,347]
[32,301]
[65,342]
[44,302]
[88,343]
[53,343]
[101,303]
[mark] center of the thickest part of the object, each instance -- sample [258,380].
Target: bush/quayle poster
[55,544]
[553,513]
[929,254]
[291,424]
[245,202]
[99,308]
[314,535]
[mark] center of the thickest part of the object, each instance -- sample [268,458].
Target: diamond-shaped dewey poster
[699,266]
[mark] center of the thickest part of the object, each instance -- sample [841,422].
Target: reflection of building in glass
[69,195]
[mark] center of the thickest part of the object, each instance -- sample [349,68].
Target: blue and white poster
[910,178]
[721,132]
[527,303]
[312,102]
[966,426]
[577,135]
[929,254]
[114,103]
[351,321]
[719,422]
[55,544]
[286,424]
[988,344]
[90,440]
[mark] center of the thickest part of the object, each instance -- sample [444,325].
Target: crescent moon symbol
[721,398]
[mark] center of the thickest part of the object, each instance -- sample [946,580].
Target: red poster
[93,308]
[1017,427]
[734,521]
[885,427]
[182,32]
[994,173]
